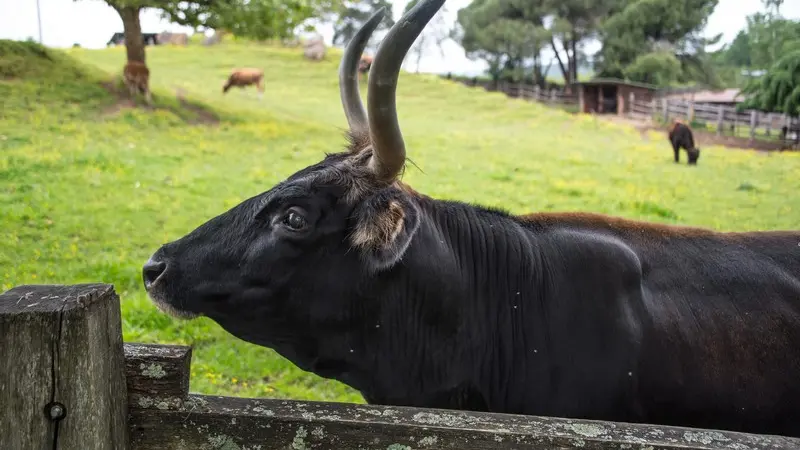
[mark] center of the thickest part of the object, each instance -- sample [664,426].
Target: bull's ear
[384,225]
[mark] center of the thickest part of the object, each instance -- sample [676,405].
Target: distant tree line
[764,60]
[659,42]
[257,19]
[651,41]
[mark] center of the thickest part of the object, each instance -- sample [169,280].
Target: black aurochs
[350,274]
[680,136]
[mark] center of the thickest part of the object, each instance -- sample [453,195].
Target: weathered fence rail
[69,382]
[725,119]
[526,92]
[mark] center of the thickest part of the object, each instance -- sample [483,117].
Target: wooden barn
[723,97]
[611,95]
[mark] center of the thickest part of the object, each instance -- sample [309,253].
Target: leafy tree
[259,19]
[504,33]
[507,32]
[353,13]
[481,36]
[779,89]
[638,37]
[764,40]
[573,22]
[769,37]
[773,6]
[738,53]
[657,67]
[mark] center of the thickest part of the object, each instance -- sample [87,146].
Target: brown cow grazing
[680,135]
[245,77]
[137,78]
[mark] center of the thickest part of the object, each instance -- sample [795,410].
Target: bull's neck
[467,285]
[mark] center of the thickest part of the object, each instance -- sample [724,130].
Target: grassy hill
[90,187]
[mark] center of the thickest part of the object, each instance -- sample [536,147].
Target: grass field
[89,190]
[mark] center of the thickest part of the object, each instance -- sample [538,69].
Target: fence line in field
[524,91]
[726,119]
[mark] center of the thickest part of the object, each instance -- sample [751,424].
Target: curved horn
[348,74]
[389,152]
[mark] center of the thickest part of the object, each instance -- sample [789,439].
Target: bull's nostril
[151,271]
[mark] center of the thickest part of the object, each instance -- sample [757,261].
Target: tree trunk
[568,80]
[571,47]
[544,71]
[564,70]
[134,42]
[574,58]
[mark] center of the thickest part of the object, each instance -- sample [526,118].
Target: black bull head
[297,267]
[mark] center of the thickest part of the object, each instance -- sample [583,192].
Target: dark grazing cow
[352,275]
[680,135]
[790,138]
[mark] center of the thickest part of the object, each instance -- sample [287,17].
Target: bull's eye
[294,221]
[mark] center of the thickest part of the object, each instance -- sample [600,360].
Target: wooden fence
[69,382]
[723,119]
[524,91]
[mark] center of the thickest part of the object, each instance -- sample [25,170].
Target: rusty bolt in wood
[55,411]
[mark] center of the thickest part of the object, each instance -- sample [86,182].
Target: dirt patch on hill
[192,113]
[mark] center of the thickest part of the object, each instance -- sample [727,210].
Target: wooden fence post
[753,123]
[720,119]
[631,99]
[665,108]
[653,109]
[552,96]
[537,96]
[768,129]
[62,380]
[690,112]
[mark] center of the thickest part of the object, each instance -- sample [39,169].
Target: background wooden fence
[548,95]
[67,381]
[724,120]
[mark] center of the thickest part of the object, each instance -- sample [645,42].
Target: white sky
[91,23]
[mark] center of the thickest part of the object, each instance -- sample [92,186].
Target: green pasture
[89,188]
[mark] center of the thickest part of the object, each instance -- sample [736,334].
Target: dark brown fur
[618,224]
[680,135]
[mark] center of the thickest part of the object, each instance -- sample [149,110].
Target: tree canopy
[779,89]
[507,33]
[257,19]
[658,42]
[504,33]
